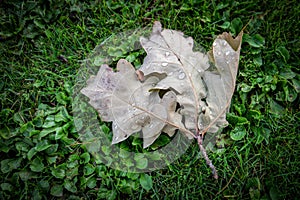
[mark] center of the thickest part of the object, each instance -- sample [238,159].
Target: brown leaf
[175,88]
[121,98]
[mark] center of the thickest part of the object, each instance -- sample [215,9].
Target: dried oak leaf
[121,98]
[204,84]
[201,84]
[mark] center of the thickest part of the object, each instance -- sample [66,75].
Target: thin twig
[208,161]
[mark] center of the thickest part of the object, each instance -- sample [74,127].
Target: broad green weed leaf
[256,40]
[7,187]
[70,186]
[22,146]
[238,133]
[27,128]
[44,184]
[236,26]
[38,121]
[234,119]
[37,165]
[161,141]
[51,159]
[124,153]
[49,122]
[62,116]
[45,132]
[57,190]
[283,52]
[88,169]
[7,132]
[42,145]
[225,25]
[59,133]
[146,182]
[52,149]
[85,157]
[287,73]
[8,165]
[31,153]
[62,98]
[296,85]
[142,163]
[91,182]
[59,171]
[19,118]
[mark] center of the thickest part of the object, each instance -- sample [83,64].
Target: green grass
[41,49]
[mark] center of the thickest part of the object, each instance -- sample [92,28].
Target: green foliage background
[41,46]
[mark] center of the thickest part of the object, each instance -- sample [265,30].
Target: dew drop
[164,64]
[214,44]
[227,62]
[147,66]
[182,84]
[167,53]
[224,43]
[116,138]
[219,53]
[190,74]
[181,75]
[199,70]
[151,125]
[227,53]
[170,74]
[149,48]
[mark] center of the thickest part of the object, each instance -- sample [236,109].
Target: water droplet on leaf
[181,75]
[164,64]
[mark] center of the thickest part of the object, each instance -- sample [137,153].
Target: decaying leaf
[122,98]
[176,88]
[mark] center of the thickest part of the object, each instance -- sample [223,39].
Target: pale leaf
[197,88]
[121,98]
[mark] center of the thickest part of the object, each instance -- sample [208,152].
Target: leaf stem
[208,161]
